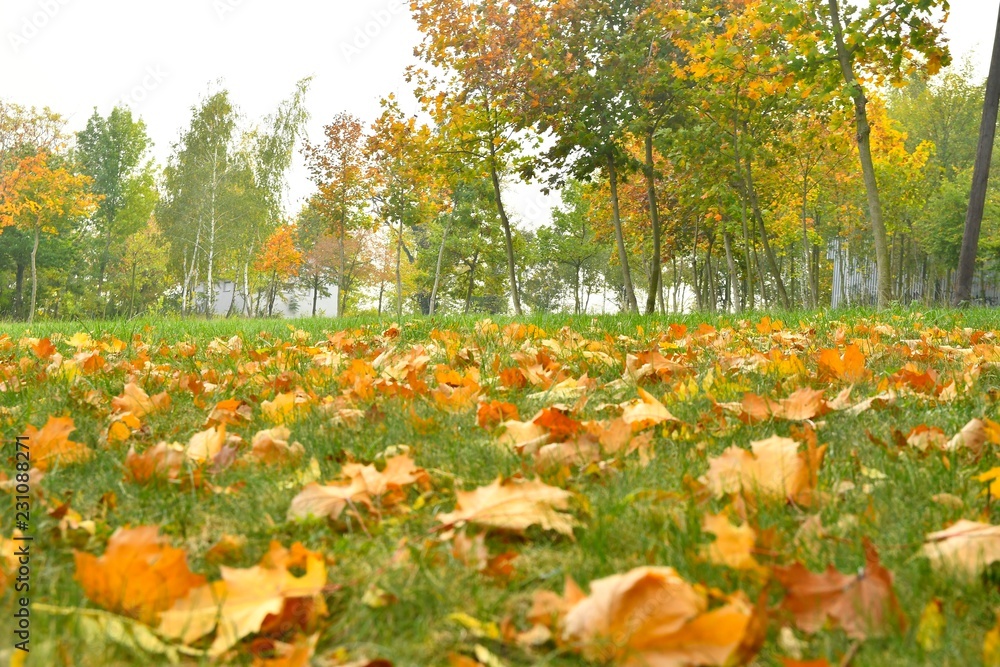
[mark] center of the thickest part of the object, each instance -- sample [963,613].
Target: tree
[113,153]
[281,259]
[319,253]
[871,44]
[339,168]
[38,197]
[141,270]
[980,179]
[24,132]
[200,198]
[475,101]
[410,189]
[582,94]
[261,165]
[946,111]
[570,243]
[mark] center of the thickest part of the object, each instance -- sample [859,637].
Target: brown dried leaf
[863,604]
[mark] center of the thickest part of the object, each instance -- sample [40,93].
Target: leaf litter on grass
[704,456]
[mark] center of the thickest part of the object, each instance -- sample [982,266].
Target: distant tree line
[708,155]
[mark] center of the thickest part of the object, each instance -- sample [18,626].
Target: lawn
[604,443]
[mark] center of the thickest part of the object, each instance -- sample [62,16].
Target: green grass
[620,527]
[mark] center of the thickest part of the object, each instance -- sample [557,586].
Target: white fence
[855,282]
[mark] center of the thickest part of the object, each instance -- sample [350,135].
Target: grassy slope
[621,528]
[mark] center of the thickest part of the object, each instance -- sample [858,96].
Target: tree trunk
[131,288]
[274,291]
[663,305]
[189,275]
[437,269]
[712,287]
[210,286]
[846,58]
[508,238]
[472,282]
[814,275]
[399,274]
[694,264]
[806,246]
[19,289]
[104,264]
[654,219]
[980,179]
[34,271]
[747,298]
[576,289]
[674,285]
[246,287]
[341,282]
[734,276]
[315,293]
[616,219]
[772,264]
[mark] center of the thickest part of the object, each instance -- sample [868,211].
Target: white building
[288,303]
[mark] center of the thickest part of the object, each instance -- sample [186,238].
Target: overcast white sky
[161,56]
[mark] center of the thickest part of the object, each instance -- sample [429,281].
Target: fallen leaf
[801,405]
[972,437]
[231,411]
[645,411]
[138,576]
[271,447]
[965,548]
[162,461]
[318,500]
[493,413]
[206,445]
[51,445]
[849,367]
[227,548]
[523,437]
[360,484]
[136,401]
[733,545]
[238,604]
[513,504]
[284,408]
[863,604]
[651,616]
[991,646]
[298,654]
[557,423]
[925,437]
[931,626]
[773,468]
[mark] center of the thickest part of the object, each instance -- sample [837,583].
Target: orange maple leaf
[139,575]
[51,444]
